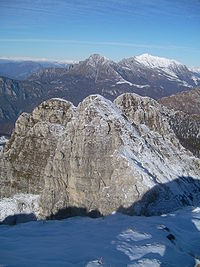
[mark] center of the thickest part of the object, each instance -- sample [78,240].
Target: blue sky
[74,29]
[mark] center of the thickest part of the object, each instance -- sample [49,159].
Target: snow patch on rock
[19,204]
[3,141]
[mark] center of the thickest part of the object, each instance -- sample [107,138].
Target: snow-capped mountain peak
[196,70]
[169,69]
[156,62]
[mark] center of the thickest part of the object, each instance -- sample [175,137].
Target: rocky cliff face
[32,142]
[100,156]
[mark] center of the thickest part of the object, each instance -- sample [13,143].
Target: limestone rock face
[88,165]
[32,143]
[99,156]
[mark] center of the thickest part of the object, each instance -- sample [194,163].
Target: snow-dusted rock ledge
[19,208]
[3,141]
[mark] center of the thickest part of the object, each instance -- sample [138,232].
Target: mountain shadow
[74,211]
[166,198]
[163,198]
[19,218]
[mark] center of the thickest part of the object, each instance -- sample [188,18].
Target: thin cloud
[105,43]
[99,8]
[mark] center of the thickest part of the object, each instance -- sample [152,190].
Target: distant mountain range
[145,75]
[22,69]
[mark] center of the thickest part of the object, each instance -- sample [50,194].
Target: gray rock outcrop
[100,156]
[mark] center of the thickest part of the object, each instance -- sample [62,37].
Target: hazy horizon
[69,61]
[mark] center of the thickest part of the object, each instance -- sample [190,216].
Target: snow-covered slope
[197,70]
[156,62]
[166,69]
[171,240]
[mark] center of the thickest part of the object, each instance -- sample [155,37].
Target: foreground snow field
[116,240]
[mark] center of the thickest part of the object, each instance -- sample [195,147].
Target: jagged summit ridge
[97,58]
[100,156]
